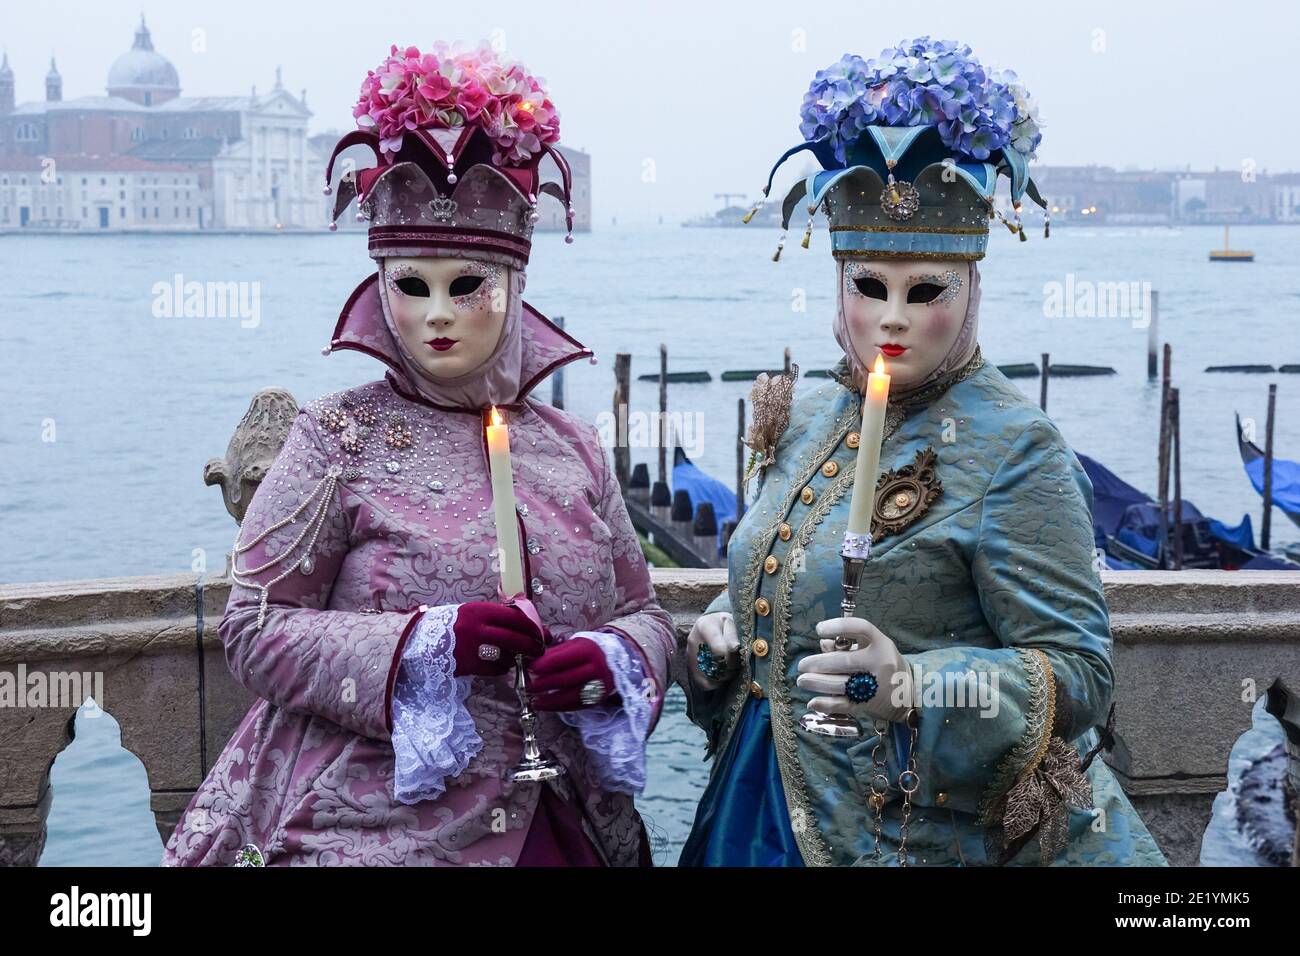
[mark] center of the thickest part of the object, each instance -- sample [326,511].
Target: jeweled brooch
[900,200]
[903,496]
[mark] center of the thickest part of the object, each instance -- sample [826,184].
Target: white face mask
[449,312]
[911,310]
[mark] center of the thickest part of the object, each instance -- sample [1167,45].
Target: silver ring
[489,652]
[593,692]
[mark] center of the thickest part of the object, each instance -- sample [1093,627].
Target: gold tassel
[776,256]
[1023,237]
[807,234]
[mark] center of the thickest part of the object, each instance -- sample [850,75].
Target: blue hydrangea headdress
[911,145]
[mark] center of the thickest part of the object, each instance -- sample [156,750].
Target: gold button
[830,469]
[756,689]
[902,499]
[807,496]
[771,564]
[762,607]
[784,532]
[940,799]
[854,440]
[759,647]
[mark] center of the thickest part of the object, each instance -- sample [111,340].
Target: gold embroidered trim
[1028,751]
[878,254]
[942,230]
[744,617]
[810,839]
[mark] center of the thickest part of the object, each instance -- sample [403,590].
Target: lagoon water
[110,411]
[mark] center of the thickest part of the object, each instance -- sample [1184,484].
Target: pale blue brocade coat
[998,577]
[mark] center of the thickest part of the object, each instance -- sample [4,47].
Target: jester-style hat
[458,139]
[911,145]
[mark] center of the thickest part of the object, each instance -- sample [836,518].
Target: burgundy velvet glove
[556,679]
[482,626]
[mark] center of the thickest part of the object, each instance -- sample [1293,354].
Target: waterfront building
[144,157]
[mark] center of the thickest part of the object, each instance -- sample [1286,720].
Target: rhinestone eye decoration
[482,297]
[854,271]
[949,280]
[397,274]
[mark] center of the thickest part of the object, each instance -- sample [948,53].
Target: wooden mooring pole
[1153,336]
[663,413]
[622,394]
[1266,526]
[1042,389]
[1175,428]
[1162,454]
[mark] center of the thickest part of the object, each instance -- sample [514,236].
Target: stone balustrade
[1193,649]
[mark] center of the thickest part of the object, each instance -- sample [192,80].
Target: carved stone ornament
[253,448]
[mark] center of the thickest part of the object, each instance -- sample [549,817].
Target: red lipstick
[441,345]
[892,350]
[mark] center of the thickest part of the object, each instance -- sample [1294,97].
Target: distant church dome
[143,75]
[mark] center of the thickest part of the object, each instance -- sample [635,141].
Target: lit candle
[503,506]
[867,470]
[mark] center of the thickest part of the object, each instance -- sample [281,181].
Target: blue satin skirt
[742,818]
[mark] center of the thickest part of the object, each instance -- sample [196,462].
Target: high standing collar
[361,327]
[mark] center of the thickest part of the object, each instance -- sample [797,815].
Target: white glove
[829,672]
[717,632]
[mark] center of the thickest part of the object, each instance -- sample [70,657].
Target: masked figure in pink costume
[366,612]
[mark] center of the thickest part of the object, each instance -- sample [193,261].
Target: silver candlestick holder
[537,765]
[854,551]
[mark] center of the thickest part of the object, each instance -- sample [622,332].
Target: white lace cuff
[434,736]
[615,734]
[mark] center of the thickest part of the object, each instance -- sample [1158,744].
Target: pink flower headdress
[458,138]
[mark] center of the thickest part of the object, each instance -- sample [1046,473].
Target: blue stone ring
[709,665]
[860,687]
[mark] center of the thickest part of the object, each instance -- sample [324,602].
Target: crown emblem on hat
[442,208]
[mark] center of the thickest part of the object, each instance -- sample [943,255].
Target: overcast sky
[701,97]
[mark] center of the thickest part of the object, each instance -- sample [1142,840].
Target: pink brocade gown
[391,498]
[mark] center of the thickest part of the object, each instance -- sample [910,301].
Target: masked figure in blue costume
[976,660]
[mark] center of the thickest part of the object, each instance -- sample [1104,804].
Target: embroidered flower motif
[398,434]
[351,442]
[334,419]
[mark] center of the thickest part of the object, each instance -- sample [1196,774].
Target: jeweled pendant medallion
[900,200]
[903,496]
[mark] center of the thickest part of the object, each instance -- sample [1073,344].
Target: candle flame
[496,417]
[880,364]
